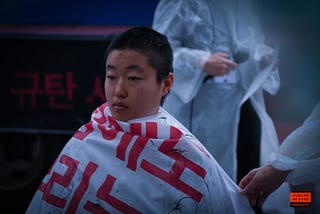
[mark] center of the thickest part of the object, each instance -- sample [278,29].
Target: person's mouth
[119,106]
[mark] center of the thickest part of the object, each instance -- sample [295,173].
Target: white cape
[147,165]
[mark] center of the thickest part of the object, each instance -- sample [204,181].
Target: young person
[134,157]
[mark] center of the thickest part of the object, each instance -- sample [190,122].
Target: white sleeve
[300,152]
[272,83]
[187,26]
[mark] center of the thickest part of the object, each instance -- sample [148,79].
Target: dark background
[31,38]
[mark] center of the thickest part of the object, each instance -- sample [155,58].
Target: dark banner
[50,84]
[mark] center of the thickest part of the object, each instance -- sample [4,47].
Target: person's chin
[120,115]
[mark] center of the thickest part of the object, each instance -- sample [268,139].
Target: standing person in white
[220,64]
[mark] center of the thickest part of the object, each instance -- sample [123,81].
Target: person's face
[131,86]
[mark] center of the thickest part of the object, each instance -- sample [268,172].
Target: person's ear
[167,83]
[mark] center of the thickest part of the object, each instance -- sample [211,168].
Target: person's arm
[189,26]
[272,83]
[301,152]
[297,162]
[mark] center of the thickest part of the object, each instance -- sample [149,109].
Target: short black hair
[150,43]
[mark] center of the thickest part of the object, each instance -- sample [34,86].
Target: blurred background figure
[296,162]
[221,71]
[222,67]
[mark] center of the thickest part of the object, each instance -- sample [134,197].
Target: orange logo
[300,199]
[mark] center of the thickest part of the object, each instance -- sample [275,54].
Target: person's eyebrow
[130,68]
[110,67]
[135,68]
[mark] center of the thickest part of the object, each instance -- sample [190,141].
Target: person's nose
[120,89]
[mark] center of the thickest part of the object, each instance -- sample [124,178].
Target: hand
[218,64]
[259,183]
[265,61]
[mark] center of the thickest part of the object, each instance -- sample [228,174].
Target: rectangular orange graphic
[300,199]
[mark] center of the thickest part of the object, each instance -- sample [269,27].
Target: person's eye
[110,77]
[134,78]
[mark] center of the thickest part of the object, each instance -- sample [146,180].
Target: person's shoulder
[166,118]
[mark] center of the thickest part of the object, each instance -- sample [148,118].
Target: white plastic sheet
[147,165]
